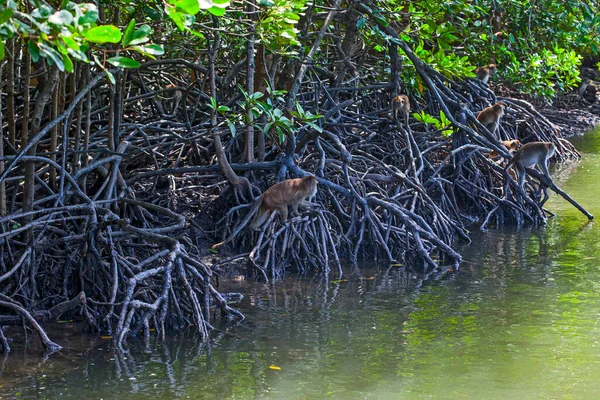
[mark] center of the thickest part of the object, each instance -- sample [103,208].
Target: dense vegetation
[120,121]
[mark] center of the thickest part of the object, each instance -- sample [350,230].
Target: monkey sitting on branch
[511,145]
[292,192]
[490,116]
[486,72]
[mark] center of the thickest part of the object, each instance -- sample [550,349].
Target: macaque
[531,154]
[174,100]
[490,116]
[484,73]
[291,192]
[496,21]
[401,103]
[510,146]
[584,84]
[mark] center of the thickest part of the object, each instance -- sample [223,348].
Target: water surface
[519,320]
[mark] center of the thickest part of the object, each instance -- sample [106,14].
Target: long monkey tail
[511,162]
[243,224]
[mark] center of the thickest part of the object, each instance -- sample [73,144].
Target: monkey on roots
[486,72]
[401,103]
[490,116]
[510,145]
[292,192]
[528,156]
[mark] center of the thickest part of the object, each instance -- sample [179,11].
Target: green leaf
[281,134]
[34,51]
[214,251]
[6,15]
[191,7]
[123,62]
[176,17]
[60,18]
[110,76]
[52,55]
[43,12]
[103,34]
[315,127]
[205,4]
[141,35]
[90,15]
[128,35]
[68,63]
[217,11]
[231,127]
[2,52]
[70,43]
[153,49]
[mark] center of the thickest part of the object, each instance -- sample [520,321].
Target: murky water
[520,320]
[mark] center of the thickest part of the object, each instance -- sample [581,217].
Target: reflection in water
[519,320]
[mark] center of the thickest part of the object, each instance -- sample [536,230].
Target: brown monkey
[401,103]
[291,192]
[496,21]
[484,73]
[490,116]
[531,154]
[510,146]
[584,85]
[173,100]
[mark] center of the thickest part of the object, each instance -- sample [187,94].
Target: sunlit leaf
[110,77]
[216,11]
[141,35]
[204,4]
[68,63]
[128,35]
[6,15]
[154,49]
[189,6]
[62,17]
[123,62]
[103,34]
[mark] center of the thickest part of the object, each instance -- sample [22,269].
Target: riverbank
[519,320]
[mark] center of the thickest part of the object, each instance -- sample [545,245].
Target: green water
[520,320]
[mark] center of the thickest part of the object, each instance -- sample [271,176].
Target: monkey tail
[242,225]
[511,162]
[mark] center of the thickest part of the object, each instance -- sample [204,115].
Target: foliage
[60,36]
[277,123]
[546,73]
[442,124]
[277,24]
[535,44]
